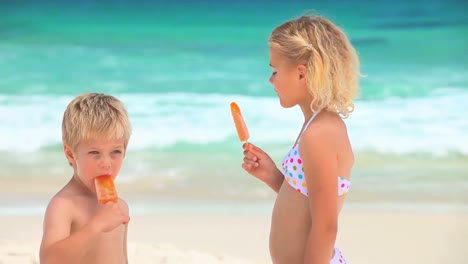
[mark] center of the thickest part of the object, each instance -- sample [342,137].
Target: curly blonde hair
[331,61]
[95,115]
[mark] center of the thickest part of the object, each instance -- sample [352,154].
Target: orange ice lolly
[241,127]
[105,189]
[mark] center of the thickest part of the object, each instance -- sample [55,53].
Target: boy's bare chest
[107,247]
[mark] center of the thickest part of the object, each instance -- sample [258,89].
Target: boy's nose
[106,162]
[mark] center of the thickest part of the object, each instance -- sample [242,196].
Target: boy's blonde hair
[95,115]
[331,61]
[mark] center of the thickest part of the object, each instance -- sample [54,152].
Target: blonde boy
[77,229]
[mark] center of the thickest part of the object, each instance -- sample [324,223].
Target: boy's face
[95,157]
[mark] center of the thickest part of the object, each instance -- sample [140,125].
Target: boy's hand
[109,217]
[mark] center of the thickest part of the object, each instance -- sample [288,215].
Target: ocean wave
[434,124]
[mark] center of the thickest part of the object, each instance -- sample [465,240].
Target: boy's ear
[69,154]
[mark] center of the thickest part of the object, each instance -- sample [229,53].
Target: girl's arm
[319,153]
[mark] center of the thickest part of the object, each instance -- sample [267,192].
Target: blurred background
[178,64]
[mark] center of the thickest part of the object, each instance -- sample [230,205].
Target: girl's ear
[69,154]
[302,69]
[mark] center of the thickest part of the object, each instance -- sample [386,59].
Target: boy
[77,229]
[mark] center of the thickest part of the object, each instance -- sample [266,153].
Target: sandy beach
[365,237]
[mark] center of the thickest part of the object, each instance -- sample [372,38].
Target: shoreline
[156,206]
[389,180]
[143,205]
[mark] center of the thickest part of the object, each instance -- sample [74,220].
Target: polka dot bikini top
[293,169]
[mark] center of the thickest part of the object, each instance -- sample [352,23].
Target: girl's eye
[117,152]
[94,152]
[273,73]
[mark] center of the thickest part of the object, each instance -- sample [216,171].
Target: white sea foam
[434,124]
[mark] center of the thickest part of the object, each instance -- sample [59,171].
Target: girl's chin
[285,105]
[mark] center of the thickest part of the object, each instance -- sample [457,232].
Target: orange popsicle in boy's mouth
[241,127]
[105,189]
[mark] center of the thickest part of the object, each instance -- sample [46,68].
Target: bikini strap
[307,125]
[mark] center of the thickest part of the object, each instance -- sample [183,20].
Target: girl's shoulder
[326,124]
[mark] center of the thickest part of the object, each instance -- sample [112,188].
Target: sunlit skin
[76,228]
[303,229]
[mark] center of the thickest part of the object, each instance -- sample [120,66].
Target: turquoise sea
[178,64]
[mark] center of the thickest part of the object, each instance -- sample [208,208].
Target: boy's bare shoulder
[66,199]
[60,201]
[59,211]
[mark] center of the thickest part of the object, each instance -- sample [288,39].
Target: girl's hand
[258,164]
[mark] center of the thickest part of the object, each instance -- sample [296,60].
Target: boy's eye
[117,151]
[94,152]
[273,73]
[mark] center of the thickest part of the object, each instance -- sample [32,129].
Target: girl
[315,67]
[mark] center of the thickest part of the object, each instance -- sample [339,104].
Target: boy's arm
[126,210]
[57,245]
[125,243]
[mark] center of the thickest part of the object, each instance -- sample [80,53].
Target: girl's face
[96,157]
[288,80]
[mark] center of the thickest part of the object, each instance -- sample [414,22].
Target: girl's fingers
[250,161]
[256,151]
[249,155]
[248,167]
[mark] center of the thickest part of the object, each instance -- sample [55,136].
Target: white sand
[365,237]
